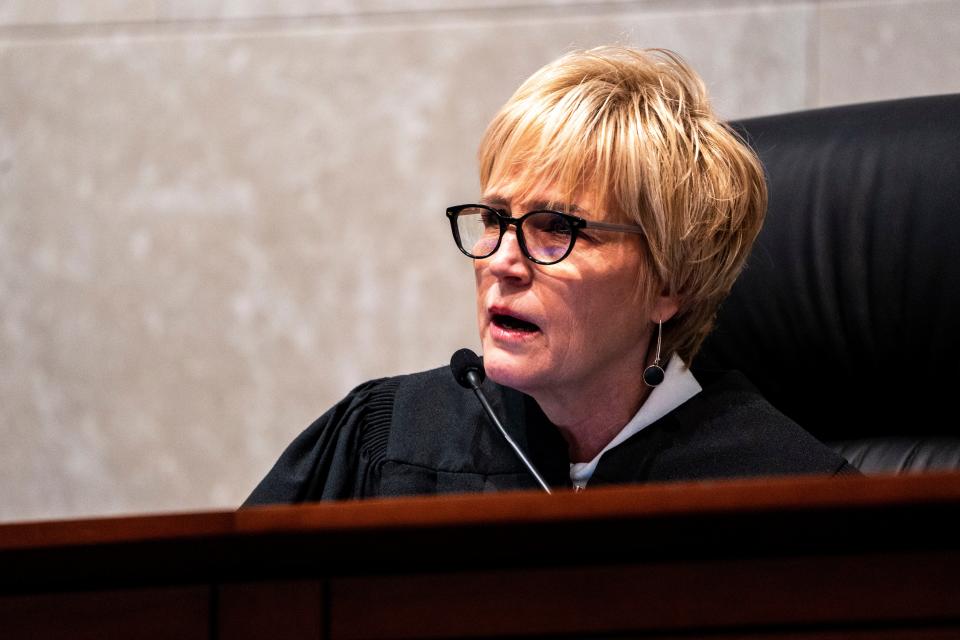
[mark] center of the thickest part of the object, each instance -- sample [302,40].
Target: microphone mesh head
[464,361]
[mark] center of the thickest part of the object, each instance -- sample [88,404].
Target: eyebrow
[535,205]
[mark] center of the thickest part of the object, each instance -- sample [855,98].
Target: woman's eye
[557,226]
[489,219]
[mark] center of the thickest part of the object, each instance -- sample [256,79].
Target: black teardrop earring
[653,375]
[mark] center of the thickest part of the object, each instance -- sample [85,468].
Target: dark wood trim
[754,558]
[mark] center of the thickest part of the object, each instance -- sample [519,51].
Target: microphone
[467,370]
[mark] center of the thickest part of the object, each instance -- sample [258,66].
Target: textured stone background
[218,217]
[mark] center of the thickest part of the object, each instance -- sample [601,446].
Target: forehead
[520,195]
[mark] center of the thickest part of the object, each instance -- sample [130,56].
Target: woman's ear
[665,306]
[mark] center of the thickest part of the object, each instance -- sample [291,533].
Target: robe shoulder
[729,430]
[337,456]
[413,434]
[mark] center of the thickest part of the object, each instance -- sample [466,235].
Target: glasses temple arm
[609,226]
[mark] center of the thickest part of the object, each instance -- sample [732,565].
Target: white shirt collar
[677,387]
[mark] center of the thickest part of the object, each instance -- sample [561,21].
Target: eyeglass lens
[547,235]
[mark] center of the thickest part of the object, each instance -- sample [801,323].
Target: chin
[509,370]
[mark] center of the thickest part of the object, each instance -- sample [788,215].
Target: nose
[509,263]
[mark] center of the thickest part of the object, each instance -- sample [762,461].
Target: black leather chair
[847,315]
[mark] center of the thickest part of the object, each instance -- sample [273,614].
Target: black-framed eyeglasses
[545,237]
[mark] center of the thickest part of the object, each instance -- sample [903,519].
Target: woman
[616,212]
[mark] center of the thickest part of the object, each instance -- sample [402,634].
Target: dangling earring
[653,375]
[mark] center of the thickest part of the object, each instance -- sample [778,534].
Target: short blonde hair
[635,128]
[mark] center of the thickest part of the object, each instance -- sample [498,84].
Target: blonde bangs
[541,142]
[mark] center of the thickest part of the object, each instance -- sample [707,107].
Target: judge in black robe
[616,212]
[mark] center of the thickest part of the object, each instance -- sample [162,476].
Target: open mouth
[511,323]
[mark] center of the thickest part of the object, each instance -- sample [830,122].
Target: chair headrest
[901,455]
[846,316]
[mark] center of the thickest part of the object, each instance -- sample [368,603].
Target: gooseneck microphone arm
[467,368]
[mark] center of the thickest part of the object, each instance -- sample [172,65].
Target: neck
[592,416]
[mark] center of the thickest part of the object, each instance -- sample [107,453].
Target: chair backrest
[847,315]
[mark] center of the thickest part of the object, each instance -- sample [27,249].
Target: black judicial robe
[424,434]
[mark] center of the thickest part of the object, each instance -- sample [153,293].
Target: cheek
[483,284]
[613,304]
[479,280]
[629,285]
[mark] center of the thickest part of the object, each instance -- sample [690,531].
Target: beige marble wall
[218,217]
